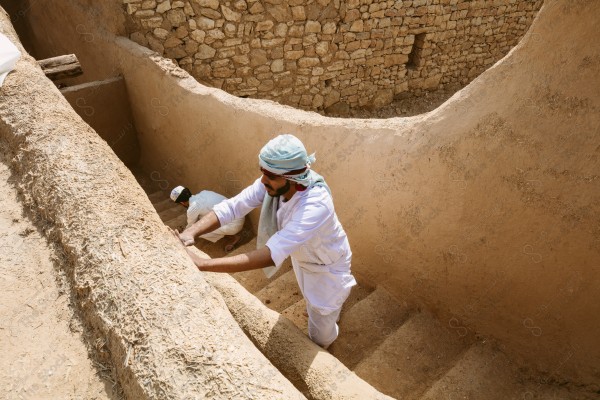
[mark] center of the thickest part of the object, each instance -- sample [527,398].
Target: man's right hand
[186,238]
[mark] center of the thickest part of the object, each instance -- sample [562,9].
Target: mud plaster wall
[484,211]
[330,53]
[165,330]
[104,105]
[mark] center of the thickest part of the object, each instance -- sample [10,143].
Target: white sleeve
[240,205]
[304,225]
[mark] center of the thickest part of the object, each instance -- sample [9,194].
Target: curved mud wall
[330,54]
[166,331]
[485,210]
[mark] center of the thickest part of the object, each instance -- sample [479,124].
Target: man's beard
[281,191]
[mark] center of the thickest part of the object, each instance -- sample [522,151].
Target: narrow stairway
[404,353]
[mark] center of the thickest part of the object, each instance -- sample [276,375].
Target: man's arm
[207,223]
[242,262]
[225,212]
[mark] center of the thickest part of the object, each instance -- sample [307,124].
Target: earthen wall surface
[331,54]
[485,211]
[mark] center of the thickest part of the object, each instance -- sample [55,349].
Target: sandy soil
[404,105]
[43,355]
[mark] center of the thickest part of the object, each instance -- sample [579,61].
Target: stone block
[312,27]
[230,15]
[216,34]
[329,28]
[293,54]
[310,40]
[205,52]
[139,38]
[266,85]
[226,52]
[204,23]
[212,14]
[214,4]
[281,30]
[191,47]
[256,8]
[277,66]
[240,5]
[307,62]
[172,42]
[223,72]
[149,4]
[395,59]
[177,17]
[270,43]
[296,31]
[241,59]
[358,54]
[357,26]
[198,35]
[351,15]
[258,57]
[188,10]
[132,8]
[154,22]
[342,55]
[163,7]
[322,48]
[298,13]
[144,13]
[161,33]
[176,52]
[264,26]
[181,32]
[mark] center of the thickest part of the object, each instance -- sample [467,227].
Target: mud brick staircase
[404,353]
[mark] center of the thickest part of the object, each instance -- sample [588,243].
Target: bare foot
[231,243]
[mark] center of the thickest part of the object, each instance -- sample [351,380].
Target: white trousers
[230,229]
[325,291]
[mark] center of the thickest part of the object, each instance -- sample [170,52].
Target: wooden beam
[60,67]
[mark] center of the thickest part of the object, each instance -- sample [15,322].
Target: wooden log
[60,67]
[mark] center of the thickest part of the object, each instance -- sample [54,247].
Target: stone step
[178,222]
[296,312]
[358,293]
[163,205]
[412,357]
[173,212]
[280,293]
[366,325]
[484,372]
[157,196]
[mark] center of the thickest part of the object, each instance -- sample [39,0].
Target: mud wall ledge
[169,334]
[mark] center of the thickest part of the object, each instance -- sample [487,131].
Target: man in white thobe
[200,204]
[298,220]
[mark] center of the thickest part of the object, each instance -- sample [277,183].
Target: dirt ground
[43,355]
[404,105]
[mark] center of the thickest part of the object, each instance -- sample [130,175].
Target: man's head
[284,162]
[181,195]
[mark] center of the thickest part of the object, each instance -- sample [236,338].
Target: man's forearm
[243,262]
[206,224]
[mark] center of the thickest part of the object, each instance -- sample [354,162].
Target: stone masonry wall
[331,54]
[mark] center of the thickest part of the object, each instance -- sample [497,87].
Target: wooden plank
[66,66]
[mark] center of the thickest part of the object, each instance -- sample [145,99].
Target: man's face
[276,185]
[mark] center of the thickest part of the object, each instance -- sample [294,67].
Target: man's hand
[201,263]
[186,240]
